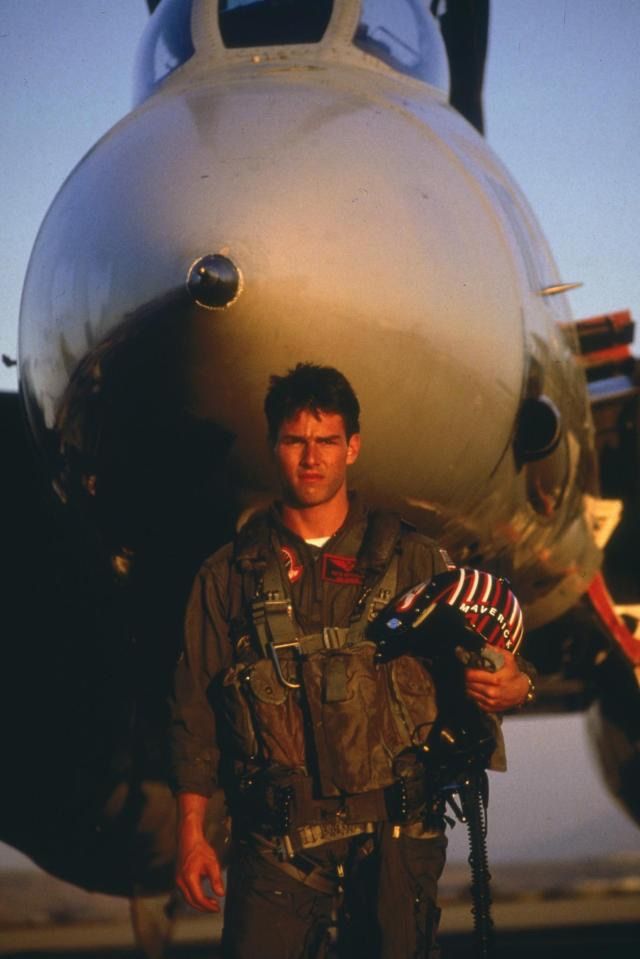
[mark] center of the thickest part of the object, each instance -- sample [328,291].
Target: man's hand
[196,863]
[196,859]
[499,691]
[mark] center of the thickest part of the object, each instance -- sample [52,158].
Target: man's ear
[353,448]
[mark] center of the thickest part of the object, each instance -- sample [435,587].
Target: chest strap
[274,619]
[276,629]
[272,609]
[275,625]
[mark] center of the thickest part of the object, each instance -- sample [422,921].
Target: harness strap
[273,622]
[322,879]
[335,637]
[257,551]
[287,805]
[304,810]
[272,611]
[273,615]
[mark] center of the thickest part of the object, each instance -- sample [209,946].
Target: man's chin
[306,502]
[306,498]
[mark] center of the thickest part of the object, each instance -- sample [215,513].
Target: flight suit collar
[353,527]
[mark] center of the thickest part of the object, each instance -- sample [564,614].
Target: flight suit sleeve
[421,558]
[206,652]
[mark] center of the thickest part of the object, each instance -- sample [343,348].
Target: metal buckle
[273,651]
[331,637]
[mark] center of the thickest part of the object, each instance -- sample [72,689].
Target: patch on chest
[292,564]
[341,569]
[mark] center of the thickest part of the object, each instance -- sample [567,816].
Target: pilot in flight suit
[280,699]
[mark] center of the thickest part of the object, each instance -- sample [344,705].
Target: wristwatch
[531,693]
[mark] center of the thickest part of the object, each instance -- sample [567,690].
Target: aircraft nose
[243,228]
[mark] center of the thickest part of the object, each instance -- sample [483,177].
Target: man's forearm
[196,859]
[191,813]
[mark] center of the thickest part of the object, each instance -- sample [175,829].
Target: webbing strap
[375,600]
[274,621]
[273,612]
[322,879]
[331,637]
[272,608]
[316,878]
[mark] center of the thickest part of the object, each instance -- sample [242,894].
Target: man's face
[312,453]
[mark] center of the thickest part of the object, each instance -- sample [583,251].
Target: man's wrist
[530,694]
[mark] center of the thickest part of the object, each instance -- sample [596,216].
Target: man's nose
[310,454]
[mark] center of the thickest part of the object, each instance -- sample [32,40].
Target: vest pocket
[237,721]
[276,714]
[414,693]
[354,731]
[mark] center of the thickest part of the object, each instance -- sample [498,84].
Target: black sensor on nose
[214,281]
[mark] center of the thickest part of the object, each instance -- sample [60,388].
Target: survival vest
[319,703]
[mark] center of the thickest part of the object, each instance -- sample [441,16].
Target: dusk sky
[562,102]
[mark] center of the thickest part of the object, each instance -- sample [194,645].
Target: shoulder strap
[265,589]
[256,556]
[378,560]
[252,557]
[251,544]
[379,542]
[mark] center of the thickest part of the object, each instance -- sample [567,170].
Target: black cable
[474,804]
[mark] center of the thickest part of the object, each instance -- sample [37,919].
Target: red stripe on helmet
[475,577]
[496,599]
[458,587]
[486,592]
[518,632]
[509,608]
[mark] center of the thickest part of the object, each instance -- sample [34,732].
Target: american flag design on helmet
[489,607]
[459,607]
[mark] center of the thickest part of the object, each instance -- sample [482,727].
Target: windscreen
[405,36]
[267,23]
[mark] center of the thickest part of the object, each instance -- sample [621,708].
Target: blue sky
[562,100]
[562,104]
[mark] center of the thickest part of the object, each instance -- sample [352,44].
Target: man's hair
[320,389]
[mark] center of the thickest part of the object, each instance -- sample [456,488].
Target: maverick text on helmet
[480,603]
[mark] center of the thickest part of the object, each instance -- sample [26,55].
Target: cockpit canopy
[268,23]
[402,34]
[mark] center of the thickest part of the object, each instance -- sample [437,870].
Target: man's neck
[314,522]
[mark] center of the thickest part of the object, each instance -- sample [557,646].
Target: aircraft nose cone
[214,281]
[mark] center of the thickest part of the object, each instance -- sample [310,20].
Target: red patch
[292,564]
[341,569]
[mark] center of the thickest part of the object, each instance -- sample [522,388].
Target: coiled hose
[474,796]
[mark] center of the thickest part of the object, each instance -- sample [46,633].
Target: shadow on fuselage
[95,579]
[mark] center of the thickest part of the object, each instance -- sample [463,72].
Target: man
[280,699]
